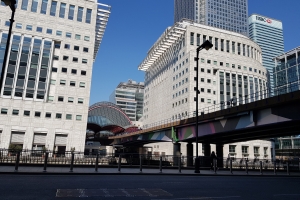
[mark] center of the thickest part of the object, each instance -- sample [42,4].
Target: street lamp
[12,5]
[206,45]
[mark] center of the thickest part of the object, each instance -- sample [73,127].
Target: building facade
[45,93]
[130,97]
[232,69]
[268,34]
[287,71]
[228,15]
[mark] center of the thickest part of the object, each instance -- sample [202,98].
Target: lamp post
[206,45]
[11,4]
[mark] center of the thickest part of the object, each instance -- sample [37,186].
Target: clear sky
[134,26]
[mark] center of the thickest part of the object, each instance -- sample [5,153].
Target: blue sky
[134,25]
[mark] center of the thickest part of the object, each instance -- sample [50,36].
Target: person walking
[212,158]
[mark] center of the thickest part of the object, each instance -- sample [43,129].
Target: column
[219,152]
[189,154]
[206,159]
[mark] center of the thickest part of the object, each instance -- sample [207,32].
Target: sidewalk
[38,170]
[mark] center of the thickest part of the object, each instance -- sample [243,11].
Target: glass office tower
[268,34]
[229,15]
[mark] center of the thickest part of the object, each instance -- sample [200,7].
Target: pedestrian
[212,158]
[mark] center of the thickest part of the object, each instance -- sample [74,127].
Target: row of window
[62,99]
[227,46]
[4,111]
[74,59]
[63,82]
[65,70]
[49,31]
[62,12]
[75,48]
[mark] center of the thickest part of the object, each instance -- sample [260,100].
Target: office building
[268,34]
[229,15]
[45,93]
[287,71]
[232,69]
[129,96]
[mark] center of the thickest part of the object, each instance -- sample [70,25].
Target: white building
[129,96]
[231,70]
[45,94]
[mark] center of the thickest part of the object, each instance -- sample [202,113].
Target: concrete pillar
[206,148]
[189,154]
[176,153]
[220,156]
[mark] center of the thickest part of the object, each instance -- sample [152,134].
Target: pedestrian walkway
[134,171]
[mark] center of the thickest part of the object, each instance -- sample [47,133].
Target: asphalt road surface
[147,187]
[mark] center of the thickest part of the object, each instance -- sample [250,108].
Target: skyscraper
[268,34]
[229,15]
[45,93]
[129,96]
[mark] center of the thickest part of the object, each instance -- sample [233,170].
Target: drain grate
[111,192]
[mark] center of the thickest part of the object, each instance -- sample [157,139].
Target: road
[147,187]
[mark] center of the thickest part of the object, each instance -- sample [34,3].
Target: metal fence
[47,158]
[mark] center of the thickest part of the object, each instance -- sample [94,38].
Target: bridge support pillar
[219,152]
[206,160]
[176,153]
[189,154]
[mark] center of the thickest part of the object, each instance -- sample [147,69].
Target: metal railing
[264,94]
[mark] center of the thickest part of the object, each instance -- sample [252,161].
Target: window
[39,29]
[83,72]
[72,83]
[57,45]
[71,12]
[55,57]
[68,35]
[37,114]
[75,59]
[80,14]
[60,98]
[82,84]
[52,82]
[4,111]
[208,61]
[62,82]
[84,61]
[49,31]
[67,46]
[48,115]
[15,112]
[54,69]
[208,100]
[231,148]
[86,38]
[58,116]
[62,10]
[265,150]
[78,117]
[50,98]
[80,100]
[85,49]
[44,6]
[34,5]
[88,16]
[65,58]
[202,100]
[24,4]
[208,81]
[192,38]
[59,33]
[64,70]
[68,116]
[74,71]
[245,149]
[76,48]
[256,150]
[26,113]
[77,36]
[28,27]
[19,25]
[202,79]
[53,8]
[7,23]
[70,99]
